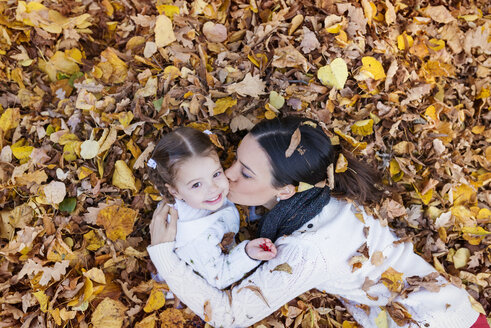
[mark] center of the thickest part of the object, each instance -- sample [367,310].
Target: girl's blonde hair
[173,149]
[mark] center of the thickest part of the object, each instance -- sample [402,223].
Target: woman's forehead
[251,154]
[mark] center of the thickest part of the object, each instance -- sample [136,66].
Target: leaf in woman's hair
[207,310]
[294,142]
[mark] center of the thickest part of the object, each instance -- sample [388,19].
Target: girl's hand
[162,231]
[261,249]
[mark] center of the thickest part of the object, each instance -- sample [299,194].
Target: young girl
[185,166]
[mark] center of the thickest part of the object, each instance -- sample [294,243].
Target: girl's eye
[245,175]
[196,185]
[217,174]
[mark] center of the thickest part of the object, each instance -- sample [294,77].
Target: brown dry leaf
[256,290]
[117,220]
[285,267]
[108,314]
[251,86]
[294,142]
[171,318]
[439,14]
[207,310]
[377,258]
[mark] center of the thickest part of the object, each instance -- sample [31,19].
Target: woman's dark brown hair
[313,156]
[171,150]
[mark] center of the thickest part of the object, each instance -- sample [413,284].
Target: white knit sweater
[318,254]
[199,233]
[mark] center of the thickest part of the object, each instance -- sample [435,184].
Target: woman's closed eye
[245,175]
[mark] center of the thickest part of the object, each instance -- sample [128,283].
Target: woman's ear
[286,192]
[173,191]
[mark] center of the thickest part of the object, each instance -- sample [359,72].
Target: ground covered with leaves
[87,87]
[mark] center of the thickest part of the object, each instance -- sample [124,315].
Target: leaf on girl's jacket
[207,311]
[392,279]
[256,290]
[381,319]
[285,267]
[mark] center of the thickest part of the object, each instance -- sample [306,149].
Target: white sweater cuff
[163,257]
[242,261]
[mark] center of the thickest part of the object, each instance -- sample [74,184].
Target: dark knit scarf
[290,214]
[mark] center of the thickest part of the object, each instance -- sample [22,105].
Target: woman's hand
[261,249]
[162,231]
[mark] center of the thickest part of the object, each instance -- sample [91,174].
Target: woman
[328,243]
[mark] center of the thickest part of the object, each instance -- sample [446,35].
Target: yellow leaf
[436,44]
[260,60]
[56,316]
[85,100]
[349,324]
[108,314]
[335,74]
[168,10]
[148,322]
[461,257]
[430,112]
[96,275]
[59,251]
[381,319]
[61,62]
[404,41]
[123,177]
[207,310]
[94,242]
[172,318]
[74,54]
[67,315]
[171,72]
[464,194]
[392,279]
[363,128]
[352,141]
[269,114]
[341,164]
[109,8]
[133,148]
[483,93]
[70,150]
[463,215]
[222,104]
[478,129]
[426,197]
[117,220]
[484,214]
[476,305]
[155,301]
[42,299]
[373,67]
[302,186]
[335,29]
[476,231]
[21,152]
[114,70]
[134,42]
[164,33]
[125,118]
[10,119]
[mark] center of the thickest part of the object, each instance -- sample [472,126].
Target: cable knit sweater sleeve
[256,297]
[220,270]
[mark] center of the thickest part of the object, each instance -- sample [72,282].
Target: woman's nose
[231,172]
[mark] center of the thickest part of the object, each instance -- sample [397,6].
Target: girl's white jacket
[199,233]
[320,255]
